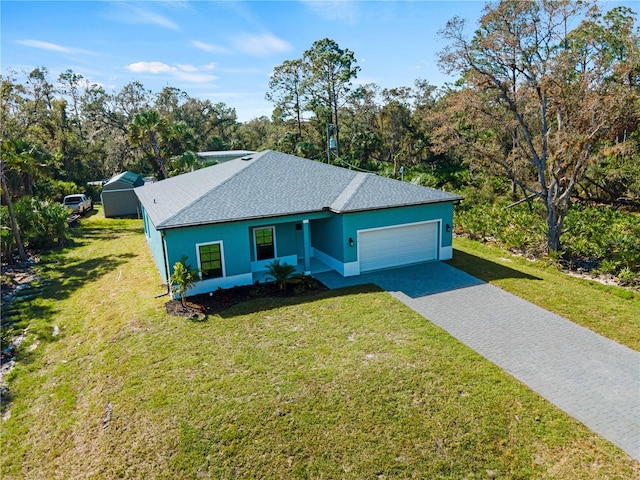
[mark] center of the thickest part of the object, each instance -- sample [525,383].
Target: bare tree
[541,101]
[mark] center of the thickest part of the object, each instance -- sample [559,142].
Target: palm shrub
[511,227]
[43,224]
[282,273]
[6,236]
[607,235]
[601,236]
[182,278]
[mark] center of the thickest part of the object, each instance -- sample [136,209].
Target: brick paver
[593,379]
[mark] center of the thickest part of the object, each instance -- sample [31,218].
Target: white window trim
[255,245]
[222,259]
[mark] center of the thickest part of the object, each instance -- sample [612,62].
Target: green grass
[611,311]
[348,384]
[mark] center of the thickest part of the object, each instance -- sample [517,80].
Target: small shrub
[254,293]
[606,234]
[183,277]
[628,277]
[281,273]
[554,259]
[608,266]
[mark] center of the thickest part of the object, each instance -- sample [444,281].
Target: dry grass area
[342,384]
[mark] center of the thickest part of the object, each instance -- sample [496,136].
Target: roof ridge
[348,192]
[258,156]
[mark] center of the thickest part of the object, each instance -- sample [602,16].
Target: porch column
[306,238]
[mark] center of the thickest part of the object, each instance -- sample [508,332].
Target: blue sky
[224,51]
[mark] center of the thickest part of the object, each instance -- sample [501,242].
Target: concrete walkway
[593,379]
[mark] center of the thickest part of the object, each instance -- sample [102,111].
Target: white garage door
[394,246]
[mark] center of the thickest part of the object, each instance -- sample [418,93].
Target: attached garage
[310,215]
[397,245]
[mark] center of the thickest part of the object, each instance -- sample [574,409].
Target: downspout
[166,262]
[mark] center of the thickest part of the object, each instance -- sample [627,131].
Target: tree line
[551,112]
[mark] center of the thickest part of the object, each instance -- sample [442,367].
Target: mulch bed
[219,300]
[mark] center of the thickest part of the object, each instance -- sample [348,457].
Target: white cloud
[150,67]
[187,68]
[343,11]
[187,73]
[45,46]
[261,45]
[127,13]
[192,77]
[210,66]
[208,47]
[151,18]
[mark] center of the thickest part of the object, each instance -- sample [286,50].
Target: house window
[265,243]
[210,260]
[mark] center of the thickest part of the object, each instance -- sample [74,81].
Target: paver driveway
[593,379]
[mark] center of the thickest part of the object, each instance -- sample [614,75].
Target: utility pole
[331,141]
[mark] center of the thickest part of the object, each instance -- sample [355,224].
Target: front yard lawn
[342,384]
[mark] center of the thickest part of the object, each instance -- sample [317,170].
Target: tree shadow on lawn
[248,299]
[82,235]
[73,274]
[414,281]
[485,270]
[59,278]
[62,276]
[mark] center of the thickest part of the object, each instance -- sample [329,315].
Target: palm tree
[147,130]
[25,162]
[187,162]
[183,276]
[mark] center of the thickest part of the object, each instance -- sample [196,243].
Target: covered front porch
[317,267]
[304,243]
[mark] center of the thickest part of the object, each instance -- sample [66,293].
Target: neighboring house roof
[123,180]
[269,184]
[224,155]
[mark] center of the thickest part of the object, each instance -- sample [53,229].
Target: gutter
[455,199]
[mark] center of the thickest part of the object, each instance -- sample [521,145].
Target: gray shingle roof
[270,184]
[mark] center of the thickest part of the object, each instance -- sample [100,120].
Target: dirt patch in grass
[16,277]
[221,299]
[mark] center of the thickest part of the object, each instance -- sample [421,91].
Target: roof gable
[124,180]
[269,184]
[375,192]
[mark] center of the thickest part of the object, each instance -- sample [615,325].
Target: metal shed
[118,197]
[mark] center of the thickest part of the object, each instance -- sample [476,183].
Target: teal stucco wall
[352,222]
[234,238]
[154,240]
[237,244]
[329,235]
